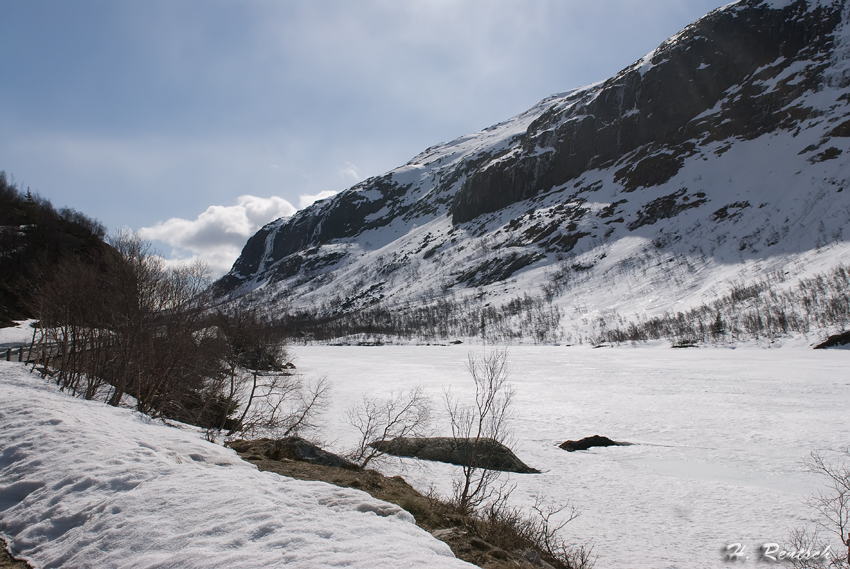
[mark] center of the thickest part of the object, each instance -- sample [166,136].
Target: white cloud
[305,200]
[350,171]
[218,234]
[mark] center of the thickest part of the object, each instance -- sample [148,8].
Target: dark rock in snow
[841,339]
[291,448]
[490,454]
[589,442]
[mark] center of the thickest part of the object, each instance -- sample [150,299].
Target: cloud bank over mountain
[216,236]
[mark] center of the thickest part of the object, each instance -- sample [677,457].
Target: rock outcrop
[290,448]
[590,442]
[483,453]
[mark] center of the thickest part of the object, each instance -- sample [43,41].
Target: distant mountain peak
[727,146]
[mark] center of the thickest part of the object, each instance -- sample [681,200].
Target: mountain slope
[720,157]
[34,239]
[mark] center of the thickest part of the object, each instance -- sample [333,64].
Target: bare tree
[833,503]
[806,551]
[280,405]
[404,414]
[480,426]
[273,400]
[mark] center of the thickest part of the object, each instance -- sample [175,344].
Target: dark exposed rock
[565,243]
[291,448]
[724,212]
[489,454]
[666,207]
[589,442]
[842,130]
[841,339]
[497,269]
[830,153]
[651,171]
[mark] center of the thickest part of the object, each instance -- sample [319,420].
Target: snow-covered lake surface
[720,435]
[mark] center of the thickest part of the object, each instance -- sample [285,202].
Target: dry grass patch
[9,562]
[496,538]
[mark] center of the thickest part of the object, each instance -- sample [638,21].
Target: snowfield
[720,435]
[719,438]
[87,485]
[16,335]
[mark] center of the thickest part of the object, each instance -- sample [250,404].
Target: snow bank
[15,335]
[83,484]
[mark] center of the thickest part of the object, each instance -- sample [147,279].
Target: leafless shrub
[281,405]
[537,533]
[405,414]
[833,503]
[485,419]
[805,550]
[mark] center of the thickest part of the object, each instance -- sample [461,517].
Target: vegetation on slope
[35,236]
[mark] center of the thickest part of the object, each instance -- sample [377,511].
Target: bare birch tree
[833,503]
[405,414]
[479,426]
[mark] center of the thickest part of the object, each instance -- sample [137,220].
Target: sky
[196,122]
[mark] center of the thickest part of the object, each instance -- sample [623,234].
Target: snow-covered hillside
[83,484]
[720,158]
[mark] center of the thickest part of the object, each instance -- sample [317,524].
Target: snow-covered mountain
[721,157]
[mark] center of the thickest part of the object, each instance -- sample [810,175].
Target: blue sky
[197,121]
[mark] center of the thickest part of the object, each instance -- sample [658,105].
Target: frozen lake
[720,436]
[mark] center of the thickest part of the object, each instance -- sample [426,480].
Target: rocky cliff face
[722,154]
[643,120]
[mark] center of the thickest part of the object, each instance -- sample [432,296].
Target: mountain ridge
[725,149]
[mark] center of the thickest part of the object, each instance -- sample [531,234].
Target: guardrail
[13,354]
[26,354]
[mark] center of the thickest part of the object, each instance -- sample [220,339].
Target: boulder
[588,442]
[840,339]
[490,454]
[292,448]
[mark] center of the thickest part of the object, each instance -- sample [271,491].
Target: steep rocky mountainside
[719,158]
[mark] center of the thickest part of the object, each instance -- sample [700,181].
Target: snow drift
[83,484]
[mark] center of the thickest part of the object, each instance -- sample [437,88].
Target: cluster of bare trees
[259,379]
[522,317]
[129,324]
[763,309]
